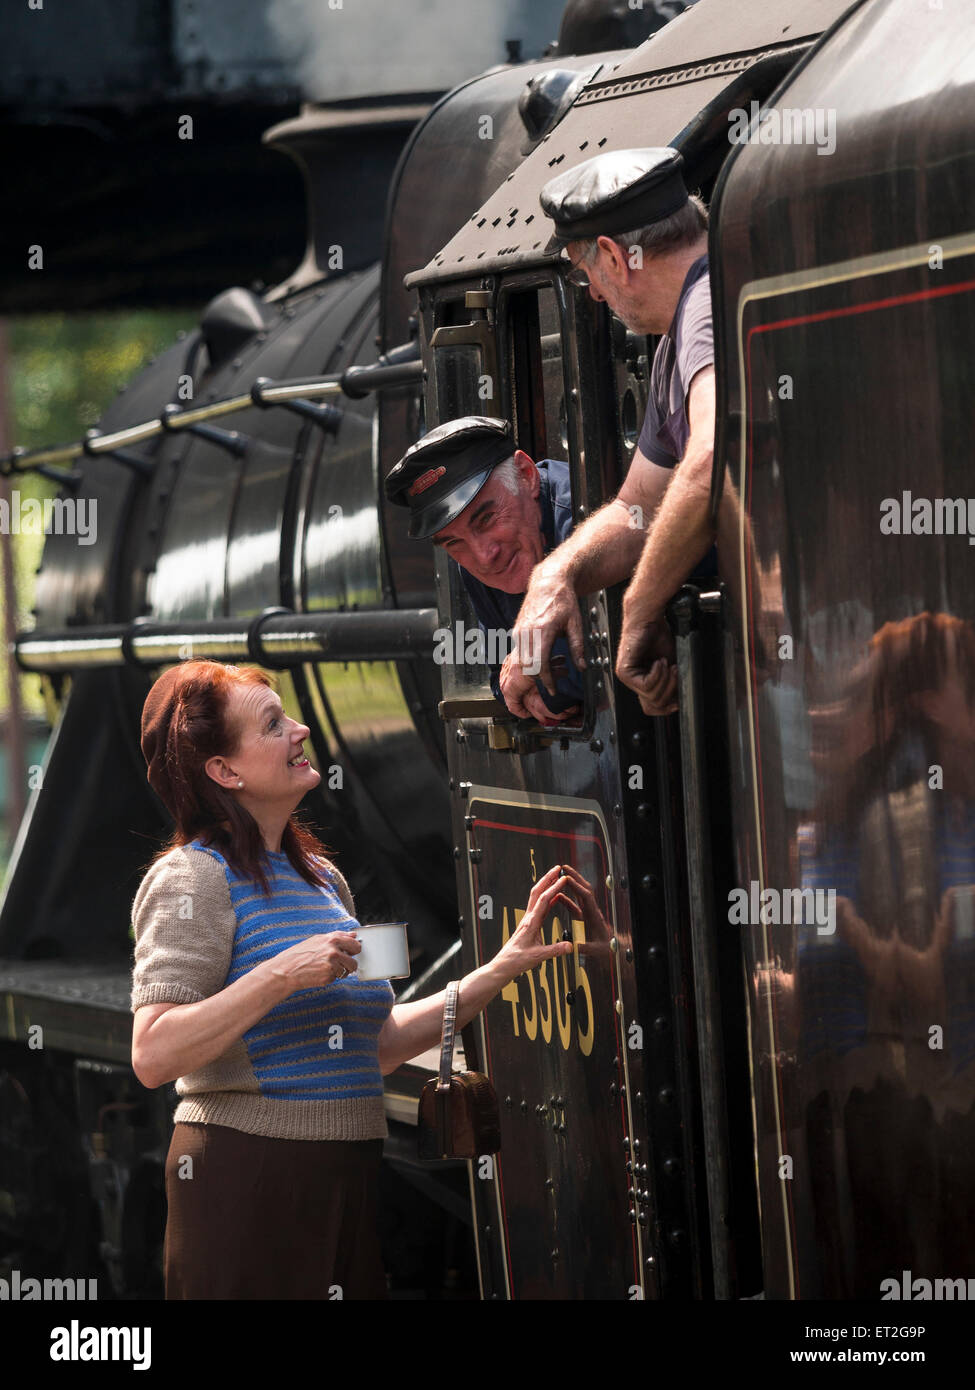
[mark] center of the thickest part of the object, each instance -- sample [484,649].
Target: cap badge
[426,480]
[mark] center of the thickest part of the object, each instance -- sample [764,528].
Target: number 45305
[555,995]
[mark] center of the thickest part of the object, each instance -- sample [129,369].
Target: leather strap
[447,1040]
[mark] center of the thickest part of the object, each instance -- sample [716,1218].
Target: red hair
[200,727]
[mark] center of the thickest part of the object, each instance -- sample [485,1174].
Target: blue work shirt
[496,609]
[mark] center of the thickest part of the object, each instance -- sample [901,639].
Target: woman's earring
[239,782]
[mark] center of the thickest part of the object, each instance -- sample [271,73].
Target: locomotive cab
[624,1080]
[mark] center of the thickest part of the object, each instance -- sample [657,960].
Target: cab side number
[556,994]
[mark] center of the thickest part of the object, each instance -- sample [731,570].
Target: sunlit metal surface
[854,723]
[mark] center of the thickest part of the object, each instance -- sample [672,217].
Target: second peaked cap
[619,191]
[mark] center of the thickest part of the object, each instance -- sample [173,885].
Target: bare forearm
[679,537]
[600,552]
[412,1028]
[189,1036]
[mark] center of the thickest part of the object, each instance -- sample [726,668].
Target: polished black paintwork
[862,1039]
[847,752]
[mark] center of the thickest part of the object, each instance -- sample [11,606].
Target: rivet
[596,745]
[617,809]
[665,1095]
[629,949]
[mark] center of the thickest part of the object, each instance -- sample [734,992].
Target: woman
[245,993]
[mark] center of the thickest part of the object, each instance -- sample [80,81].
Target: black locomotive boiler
[719,1094]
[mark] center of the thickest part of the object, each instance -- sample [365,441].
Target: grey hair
[682,228]
[507,471]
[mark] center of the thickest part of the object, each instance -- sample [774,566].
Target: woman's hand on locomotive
[413,1027]
[526,947]
[318,960]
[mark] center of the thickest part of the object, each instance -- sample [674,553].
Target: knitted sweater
[309,1068]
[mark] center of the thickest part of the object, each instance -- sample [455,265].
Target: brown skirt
[271,1218]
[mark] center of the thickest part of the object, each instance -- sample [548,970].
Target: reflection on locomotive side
[883,1014]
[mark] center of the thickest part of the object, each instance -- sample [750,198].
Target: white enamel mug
[384,954]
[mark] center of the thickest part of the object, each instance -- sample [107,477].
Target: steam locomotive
[721,1094]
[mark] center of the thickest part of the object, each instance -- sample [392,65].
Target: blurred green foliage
[62,370]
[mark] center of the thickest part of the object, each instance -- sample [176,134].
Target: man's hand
[645,663]
[549,608]
[532,701]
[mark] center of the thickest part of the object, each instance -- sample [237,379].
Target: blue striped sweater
[309,1068]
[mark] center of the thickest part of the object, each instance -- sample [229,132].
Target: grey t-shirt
[686,347]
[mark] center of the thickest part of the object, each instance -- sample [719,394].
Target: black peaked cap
[444,471]
[619,191]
